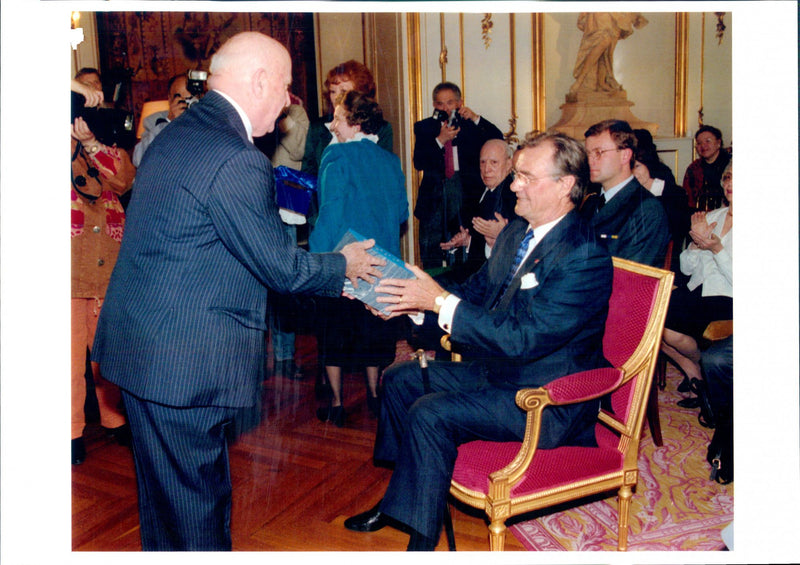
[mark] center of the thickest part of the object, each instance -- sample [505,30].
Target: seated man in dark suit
[535,312]
[494,210]
[446,149]
[625,215]
[182,331]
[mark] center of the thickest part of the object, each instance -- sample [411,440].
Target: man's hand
[447,133]
[467,114]
[461,239]
[409,296]
[81,132]
[489,229]
[360,264]
[93,97]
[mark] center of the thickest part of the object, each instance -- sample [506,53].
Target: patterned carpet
[675,506]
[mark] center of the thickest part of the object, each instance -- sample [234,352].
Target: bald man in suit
[183,329]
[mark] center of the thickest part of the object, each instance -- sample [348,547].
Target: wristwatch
[438,302]
[93,149]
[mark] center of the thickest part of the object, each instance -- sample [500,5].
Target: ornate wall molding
[511,135]
[486,30]
[681,73]
[702,66]
[414,58]
[720,27]
[442,49]
[461,48]
[539,111]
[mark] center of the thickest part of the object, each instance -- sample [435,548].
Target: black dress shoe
[78,451]
[370,521]
[690,402]
[121,434]
[373,405]
[685,385]
[335,414]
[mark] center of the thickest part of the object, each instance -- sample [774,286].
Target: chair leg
[624,498]
[497,535]
[448,528]
[653,419]
[660,376]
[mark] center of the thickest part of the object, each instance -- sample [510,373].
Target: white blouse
[714,272]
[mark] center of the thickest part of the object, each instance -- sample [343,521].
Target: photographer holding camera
[180,98]
[447,151]
[100,173]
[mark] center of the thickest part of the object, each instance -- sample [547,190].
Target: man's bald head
[495,162]
[256,71]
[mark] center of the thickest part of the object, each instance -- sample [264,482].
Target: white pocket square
[528,281]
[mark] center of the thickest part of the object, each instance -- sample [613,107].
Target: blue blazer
[633,224]
[542,330]
[183,323]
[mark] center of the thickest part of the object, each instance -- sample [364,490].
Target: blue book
[394,268]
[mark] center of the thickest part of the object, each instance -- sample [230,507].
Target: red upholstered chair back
[630,308]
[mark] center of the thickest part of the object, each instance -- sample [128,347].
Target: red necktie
[449,165]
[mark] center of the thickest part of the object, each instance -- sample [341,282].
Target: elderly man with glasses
[625,215]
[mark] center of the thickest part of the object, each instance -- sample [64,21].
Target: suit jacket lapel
[505,258]
[620,200]
[545,253]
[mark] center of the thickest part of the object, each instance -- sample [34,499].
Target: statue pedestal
[584,109]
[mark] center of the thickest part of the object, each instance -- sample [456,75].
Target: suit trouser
[717,363]
[182,474]
[421,434]
[85,312]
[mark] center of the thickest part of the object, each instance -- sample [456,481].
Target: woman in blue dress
[362,188]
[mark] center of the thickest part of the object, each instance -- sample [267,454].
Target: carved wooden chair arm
[570,389]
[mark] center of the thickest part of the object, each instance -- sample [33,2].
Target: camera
[110,126]
[453,120]
[196,85]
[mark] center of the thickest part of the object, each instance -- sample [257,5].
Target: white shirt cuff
[447,311]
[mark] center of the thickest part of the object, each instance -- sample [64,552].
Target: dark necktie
[522,250]
[449,163]
[601,201]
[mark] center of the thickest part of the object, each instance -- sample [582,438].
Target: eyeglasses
[597,153]
[527,179]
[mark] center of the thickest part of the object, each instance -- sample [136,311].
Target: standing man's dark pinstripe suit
[183,325]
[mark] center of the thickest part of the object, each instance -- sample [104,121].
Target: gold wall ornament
[720,27]
[511,135]
[486,30]
[681,73]
[442,49]
[539,121]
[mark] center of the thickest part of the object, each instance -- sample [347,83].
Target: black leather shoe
[690,402]
[121,434]
[373,405]
[78,451]
[370,521]
[335,414]
[685,385]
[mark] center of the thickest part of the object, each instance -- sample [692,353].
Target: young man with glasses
[625,215]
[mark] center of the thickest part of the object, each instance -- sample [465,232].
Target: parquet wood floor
[295,480]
